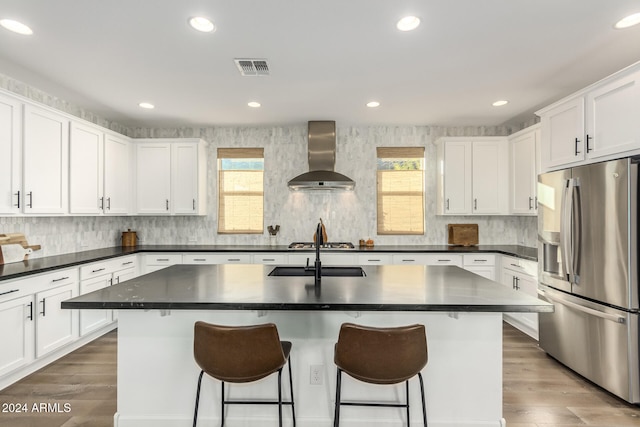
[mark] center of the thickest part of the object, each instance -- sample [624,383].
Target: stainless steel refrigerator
[588,268]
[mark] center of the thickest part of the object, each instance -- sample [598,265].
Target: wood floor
[538,392]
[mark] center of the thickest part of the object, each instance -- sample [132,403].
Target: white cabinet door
[153,178]
[524,172]
[117,175]
[457,178]
[55,327]
[490,187]
[16,333]
[184,178]
[563,134]
[10,155]
[612,120]
[46,161]
[85,169]
[92,320]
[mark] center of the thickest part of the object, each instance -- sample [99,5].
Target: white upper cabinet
[525,167]
[118,186]
[153,177]
[612,117]
[171,177]
[86,147]
[472,176]
[595,124]
[99,168]
[10,155]
[46,161]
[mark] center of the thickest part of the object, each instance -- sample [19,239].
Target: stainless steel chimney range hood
[322,157]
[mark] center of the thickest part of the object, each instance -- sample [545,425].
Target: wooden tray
[463,234]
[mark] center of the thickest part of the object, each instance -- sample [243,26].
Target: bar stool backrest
[381,355]
[238,354]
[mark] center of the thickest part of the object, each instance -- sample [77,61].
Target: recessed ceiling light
[253,104]
[500,103]
[147,105]
[628,21]
[373,104]
[203,24]
[408,23]
[16,27]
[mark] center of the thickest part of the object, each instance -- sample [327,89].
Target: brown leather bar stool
[380,356]
[240,354]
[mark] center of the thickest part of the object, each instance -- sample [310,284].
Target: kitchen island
[157,375]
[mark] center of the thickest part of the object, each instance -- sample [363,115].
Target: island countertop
[248,287]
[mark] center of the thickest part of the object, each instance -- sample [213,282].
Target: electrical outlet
[315,377]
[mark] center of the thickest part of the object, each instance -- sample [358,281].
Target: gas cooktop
[328,245]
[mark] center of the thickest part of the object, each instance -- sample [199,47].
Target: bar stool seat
[241,354]
[380,356]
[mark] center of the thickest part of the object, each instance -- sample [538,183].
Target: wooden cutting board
[463,234]
[15,248]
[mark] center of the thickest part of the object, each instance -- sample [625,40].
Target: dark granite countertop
[45,264]
[248,287]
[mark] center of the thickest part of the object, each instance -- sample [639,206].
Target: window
[400,190]
[240,190]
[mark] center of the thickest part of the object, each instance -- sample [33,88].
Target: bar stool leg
[293,408]
[280,397]
[195,413]
[424,404]
[222,406]
[336,416]
[408,413]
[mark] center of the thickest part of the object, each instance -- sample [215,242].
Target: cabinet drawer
[326,258]
[59,278]
[522,266]
[428,259]
[163,259]
[228,258]
[123,263]
[479,259]
[375,259]
[270,259]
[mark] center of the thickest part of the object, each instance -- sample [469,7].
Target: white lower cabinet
[56,327]
[158,261]
[270,258]
[92,320]
[481,264]
[17,331]
[521,275]
[428,259]
[217,258]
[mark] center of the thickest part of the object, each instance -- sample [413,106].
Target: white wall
[348,216]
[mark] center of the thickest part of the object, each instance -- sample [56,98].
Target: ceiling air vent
[252,67]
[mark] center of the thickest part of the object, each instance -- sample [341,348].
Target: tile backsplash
[348,216]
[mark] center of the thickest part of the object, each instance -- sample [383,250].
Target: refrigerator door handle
[576,230]
[565,232]
[591,311]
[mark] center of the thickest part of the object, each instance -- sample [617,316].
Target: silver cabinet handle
[576,150]
[233,259]
[480,260]
[60,279]
[408,260]
[194,204]
[30,311]
[447,204]
[101,203]
[162,259]
[43,307]
[373,260]
[18,204]
[100,269]
[9,292]
[475,204]
[530,203]
[589,149]
[268,259]
[167,204]
[30,204]
[108,203]
[199,259]
[127,263]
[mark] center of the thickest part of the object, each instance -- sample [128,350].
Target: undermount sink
[326,271]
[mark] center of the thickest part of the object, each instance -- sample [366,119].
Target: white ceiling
[327,58]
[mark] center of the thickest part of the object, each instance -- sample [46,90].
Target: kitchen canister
[129,238]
